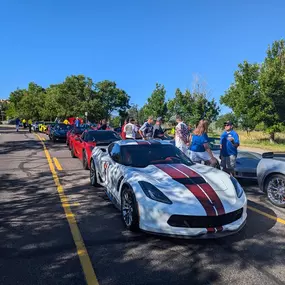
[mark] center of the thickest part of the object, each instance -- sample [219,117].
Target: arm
[142,130]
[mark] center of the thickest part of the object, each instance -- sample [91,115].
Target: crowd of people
[194,144]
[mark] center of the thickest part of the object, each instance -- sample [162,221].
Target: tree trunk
[272,137]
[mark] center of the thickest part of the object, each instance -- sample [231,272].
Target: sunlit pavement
[37,246]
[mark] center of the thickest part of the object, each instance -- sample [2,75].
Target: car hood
[178,190]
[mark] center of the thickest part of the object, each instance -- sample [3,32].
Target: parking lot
[57,229]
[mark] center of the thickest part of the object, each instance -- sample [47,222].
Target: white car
[160,190]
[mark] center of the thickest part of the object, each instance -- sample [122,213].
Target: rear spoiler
[273,154]
[268,155]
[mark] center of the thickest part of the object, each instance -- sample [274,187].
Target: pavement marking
[279,220]
[82,253]
[57,164]
[43,139]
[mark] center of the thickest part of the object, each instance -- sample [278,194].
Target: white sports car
[160,190]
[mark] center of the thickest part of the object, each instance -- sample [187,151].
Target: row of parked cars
[159,189]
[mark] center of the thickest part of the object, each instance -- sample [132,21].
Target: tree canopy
[257,95]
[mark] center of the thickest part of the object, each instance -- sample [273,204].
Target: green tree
[244,96]
[224,118]
[193,107]
[111,98]
[133,112]
[31,104]
[156,105]
[272,88]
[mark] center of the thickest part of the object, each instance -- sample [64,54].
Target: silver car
[271,177]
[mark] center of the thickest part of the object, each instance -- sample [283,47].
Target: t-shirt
[157,131]
[228,148]
[130,130]
[197,144]
[181,133]
[146,129]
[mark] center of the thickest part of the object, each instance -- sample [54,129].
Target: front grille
[183,221]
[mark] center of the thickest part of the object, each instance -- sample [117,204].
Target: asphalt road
[37,244]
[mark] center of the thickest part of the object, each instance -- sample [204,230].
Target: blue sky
[134,42]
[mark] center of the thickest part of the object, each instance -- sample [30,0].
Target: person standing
[30,122]
[157,132]
[103,125]
[131,129]
[77,122]
[181,135]
[123,134]
[199,148]
[146,129]
[229,144]
[17,124]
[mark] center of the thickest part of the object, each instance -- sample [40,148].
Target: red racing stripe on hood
[207,188]
[186,170]
[214,198]
[174,173]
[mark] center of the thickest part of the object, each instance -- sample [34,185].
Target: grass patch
[257,139]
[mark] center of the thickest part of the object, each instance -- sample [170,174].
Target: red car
[82,146]
[72,134]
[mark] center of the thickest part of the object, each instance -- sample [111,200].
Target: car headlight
[153,193]
[237,186]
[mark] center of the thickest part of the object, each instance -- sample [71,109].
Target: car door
[78,142]
[115,169]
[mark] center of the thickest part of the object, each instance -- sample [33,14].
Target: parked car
[82,146]
[35,126]
[246,163]
[158,189]
[72,134]
[271,177]
[49,127]
[58,132]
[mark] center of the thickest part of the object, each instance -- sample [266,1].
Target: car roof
[143,142]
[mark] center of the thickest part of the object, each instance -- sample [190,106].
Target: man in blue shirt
[77,122]
[229,144]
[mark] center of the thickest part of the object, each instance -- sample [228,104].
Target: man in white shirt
[181,135]
[131,129]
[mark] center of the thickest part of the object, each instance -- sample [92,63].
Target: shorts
[199,156]
[228,162]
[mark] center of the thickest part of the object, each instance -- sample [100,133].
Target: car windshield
[63,127]
[79,131]
[144,155]
[100,136]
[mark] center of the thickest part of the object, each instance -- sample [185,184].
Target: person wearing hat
[157,132]
[229,144]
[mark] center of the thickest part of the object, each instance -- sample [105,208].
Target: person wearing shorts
[229,144]
[199,147]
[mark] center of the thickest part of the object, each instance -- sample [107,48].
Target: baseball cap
[159,119]
[230,123]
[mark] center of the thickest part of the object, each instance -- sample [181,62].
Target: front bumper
[154,220]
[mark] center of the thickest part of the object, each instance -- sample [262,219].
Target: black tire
[85,161]
[72,153]
[129,209]
[93,174]
[280,180]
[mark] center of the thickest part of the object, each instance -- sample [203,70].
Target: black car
[58,132]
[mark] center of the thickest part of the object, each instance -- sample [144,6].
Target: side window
[115,153]
[110,148]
